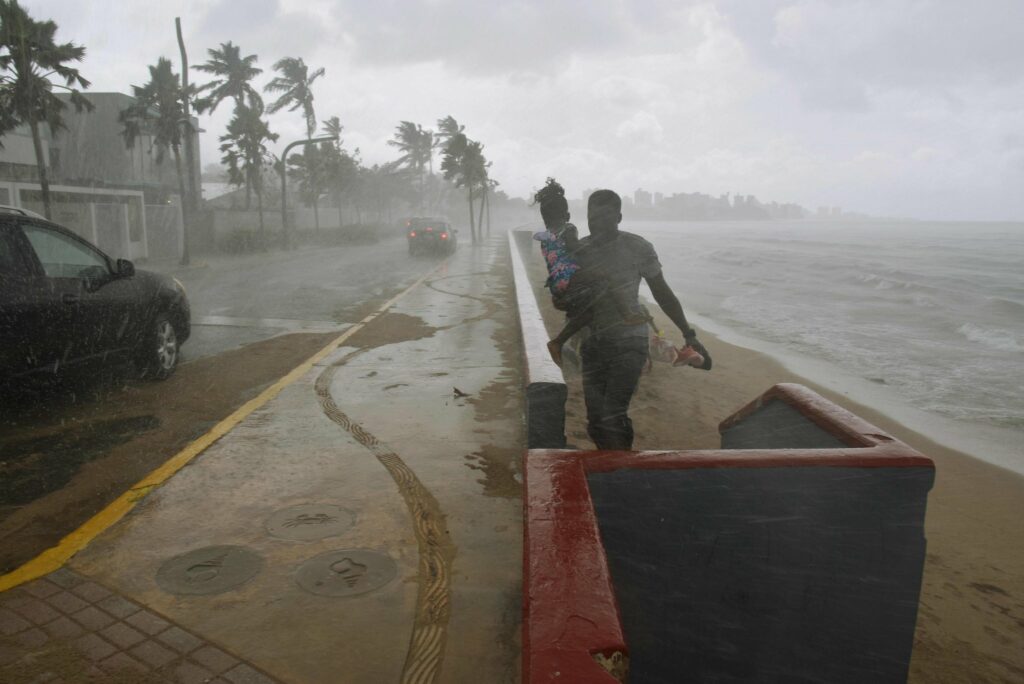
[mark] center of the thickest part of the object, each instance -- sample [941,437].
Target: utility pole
[190,153]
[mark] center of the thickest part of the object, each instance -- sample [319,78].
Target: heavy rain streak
[475,342]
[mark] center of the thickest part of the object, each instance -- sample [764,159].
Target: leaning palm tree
[333,128]
[244,149]
[29,57]
[157,112]
[463,163]
[417,148]
[295,85]
[233,75]
[448,128]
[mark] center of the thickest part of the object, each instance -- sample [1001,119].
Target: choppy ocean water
[930,315]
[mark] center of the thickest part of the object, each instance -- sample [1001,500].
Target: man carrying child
[616,350]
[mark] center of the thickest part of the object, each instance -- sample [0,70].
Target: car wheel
[160,352]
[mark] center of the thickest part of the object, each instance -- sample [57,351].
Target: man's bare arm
[669,303]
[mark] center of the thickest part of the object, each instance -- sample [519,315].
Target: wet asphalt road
[67,448]
[239,300]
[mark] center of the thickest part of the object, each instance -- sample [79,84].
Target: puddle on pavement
[391,328]
[500,467]
[36,466]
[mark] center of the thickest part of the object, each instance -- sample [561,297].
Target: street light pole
[284,180]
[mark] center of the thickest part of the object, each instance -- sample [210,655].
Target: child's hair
[551,198]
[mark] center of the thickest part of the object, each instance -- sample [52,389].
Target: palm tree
[157,111]
[448,128]
[333,128]
[417,148]
[244,147]
[463,163]
[338,168]
[307,168]
[295,84]
[233,75]
[232,79]
[29,57]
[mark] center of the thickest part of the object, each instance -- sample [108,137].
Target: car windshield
[451,341]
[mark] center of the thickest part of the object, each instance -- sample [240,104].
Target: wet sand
[971,617]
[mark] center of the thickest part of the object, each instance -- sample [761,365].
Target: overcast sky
[892,107]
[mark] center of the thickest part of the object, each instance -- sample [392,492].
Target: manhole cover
[346,573]
[309,521]
[209,570]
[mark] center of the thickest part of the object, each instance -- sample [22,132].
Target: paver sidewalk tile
[93,619]
[32,638]
[66,602]
[243,674]
[147,622]
[180,640]
[63,628]
[213,658]
[189,673]
[11,622]
[118,607]
[65,578]
[92,592]
[94,647]
[122,635]
[9,652]
[35,610]
[122,662]
[42,589]
[153,654]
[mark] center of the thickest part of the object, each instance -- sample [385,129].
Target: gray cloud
[482,38]
[838,52]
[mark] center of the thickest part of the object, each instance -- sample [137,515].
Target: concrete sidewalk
[363,526]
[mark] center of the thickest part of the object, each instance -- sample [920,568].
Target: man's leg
[624,362]
[594,372]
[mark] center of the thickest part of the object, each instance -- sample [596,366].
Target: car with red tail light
[430,236]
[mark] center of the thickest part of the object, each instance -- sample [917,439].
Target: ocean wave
[1007,307]
[993,338]
[887,282]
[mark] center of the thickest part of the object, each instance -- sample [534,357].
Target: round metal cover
[307,522]
[209,570]
[349,572]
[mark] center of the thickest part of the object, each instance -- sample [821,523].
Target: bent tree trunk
[472,226]
[185,215]
[259,208]
[44,181]
[480,216]
[487,200]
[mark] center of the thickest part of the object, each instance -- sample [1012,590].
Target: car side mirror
[125,268]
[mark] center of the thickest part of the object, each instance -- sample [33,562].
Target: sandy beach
[971,619]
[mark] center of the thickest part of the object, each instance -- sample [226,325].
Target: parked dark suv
[431,236]
[66,304]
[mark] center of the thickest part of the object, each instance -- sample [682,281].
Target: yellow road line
[55,557]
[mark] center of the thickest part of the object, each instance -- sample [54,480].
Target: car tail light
[412,233]
[429,229]
[444,236]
